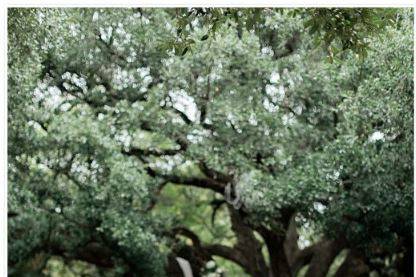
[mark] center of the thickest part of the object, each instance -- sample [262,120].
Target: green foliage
[374,153]
[105,106]
[338,29]
[348,29]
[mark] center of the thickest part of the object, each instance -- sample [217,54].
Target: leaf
[313,29]
[190,41]
[184,51]
[205,37]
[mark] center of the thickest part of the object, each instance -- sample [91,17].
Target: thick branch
[323,258]
[227,252]
[352,266]
[291,241]
[195,181]
[152,152]
[187,233]
[304,257]
[279,265]
[214,174]
[223,251]
[248,245]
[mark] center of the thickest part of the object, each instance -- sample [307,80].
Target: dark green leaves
[205,37]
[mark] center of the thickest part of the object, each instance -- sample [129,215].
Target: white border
[142,3]
[3,143]
[414,138]
[212,3]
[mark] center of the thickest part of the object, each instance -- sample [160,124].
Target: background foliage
[126,124]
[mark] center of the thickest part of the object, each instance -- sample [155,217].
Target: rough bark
[279,265]
[204,252]
[353,266]
[291,241]
[228,253]
[304,257]
[323,258]
[172,267]
[248,245]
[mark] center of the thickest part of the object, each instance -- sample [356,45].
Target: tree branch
[187,233]
[323,258]
[151,152]
[223,251]
[227,252]
[353,265]
[214,174]
[195,181]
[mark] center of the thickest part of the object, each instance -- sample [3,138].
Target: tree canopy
[258,142]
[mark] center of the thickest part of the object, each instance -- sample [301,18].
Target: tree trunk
[323,258]
[279,265]
[408,261]
[291,241]
[353,266]
[248,245]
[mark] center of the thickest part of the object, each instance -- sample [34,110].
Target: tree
[281,159]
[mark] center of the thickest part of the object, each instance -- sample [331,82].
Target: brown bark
[323,258]
[304,257]
[279,265]
[291,241]
[205,252]
[228,253]
[248,245]
[353,266]
[172,267]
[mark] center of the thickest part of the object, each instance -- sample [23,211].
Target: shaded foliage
[137,136]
